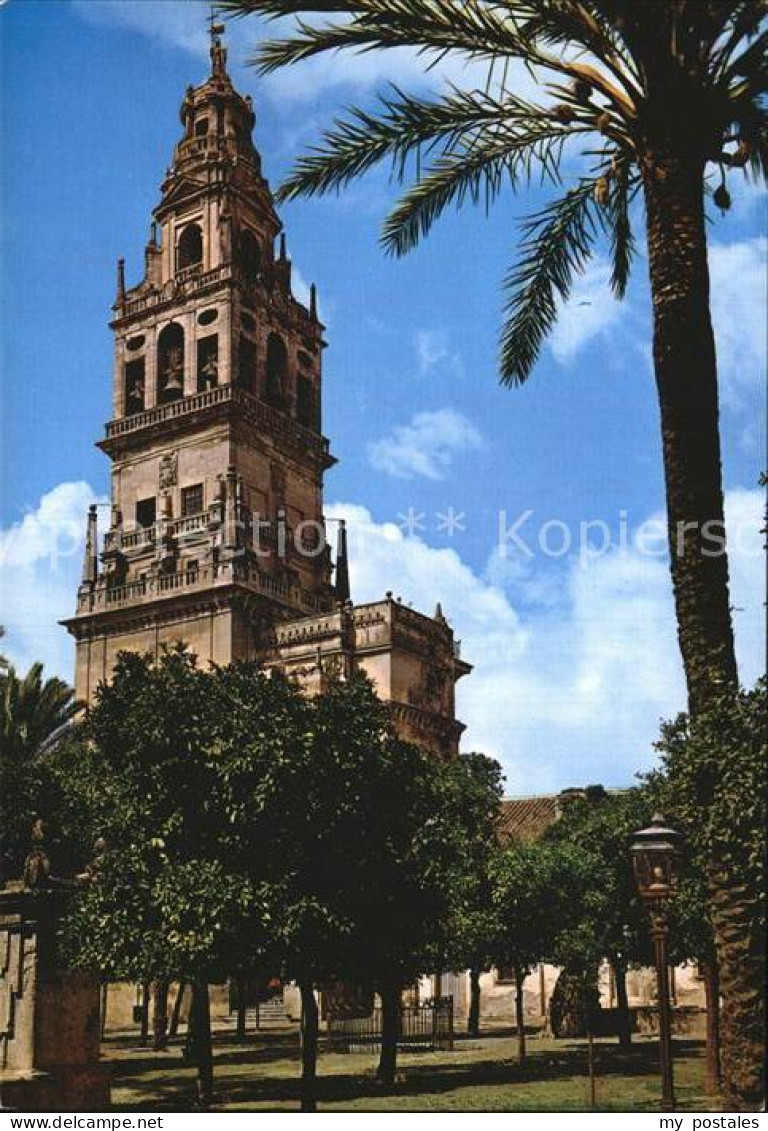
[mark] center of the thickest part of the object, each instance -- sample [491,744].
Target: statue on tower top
[218,50]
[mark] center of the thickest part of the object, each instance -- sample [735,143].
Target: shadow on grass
[165,1081]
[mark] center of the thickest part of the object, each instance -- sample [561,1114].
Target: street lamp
[655,853]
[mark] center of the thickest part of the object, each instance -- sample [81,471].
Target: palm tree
[31,711]
[655,91]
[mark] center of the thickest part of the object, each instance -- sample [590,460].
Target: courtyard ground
[261,1074]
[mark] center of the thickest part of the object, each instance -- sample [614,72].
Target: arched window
[249,254]
[190,249]
[246,369]
[305,402]
[277,366]
[134,386]
[207,362]
[170,363]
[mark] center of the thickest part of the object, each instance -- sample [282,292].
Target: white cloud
[40,561]
[426,446]
[738,286]
[434,352]
[575,665]
[180,25]
[590,313]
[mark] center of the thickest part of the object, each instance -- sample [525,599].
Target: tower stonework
[216,534]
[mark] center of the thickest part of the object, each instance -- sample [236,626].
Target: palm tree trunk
[309,1031]
[201,1036]
[622,1005]
[520,1015]
[473,1018]
[712,999]
[740,942]
[686,381]
[389,992]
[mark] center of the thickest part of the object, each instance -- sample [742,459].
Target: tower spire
[120,280]
[90,559]
[342,564]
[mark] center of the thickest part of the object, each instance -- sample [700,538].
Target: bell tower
[216,530]
[216,534]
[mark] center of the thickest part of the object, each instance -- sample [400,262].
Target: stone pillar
[49,1016]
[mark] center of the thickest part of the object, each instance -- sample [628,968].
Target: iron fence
[427,1026]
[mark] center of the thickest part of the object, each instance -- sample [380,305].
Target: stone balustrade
[265,416]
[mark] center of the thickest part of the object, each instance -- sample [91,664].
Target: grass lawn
[260,1074]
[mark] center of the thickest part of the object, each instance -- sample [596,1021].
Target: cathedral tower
[216,535]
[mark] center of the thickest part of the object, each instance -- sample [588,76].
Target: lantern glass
[655,856]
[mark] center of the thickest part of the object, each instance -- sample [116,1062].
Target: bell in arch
[174,373]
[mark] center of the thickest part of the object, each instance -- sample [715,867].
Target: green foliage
[620,76]
[476,784]
[155,781]
[248,826]
[534,886]
[608,919]
[31,711]
[712,785]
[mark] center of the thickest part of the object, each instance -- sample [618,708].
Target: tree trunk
[201,1042]
[473,1018]
[103,1008]
[591,1066]
[686,382]
[241,1008]
[520,1015]
[160,989]
[712,998]
[390,1032]
[622,1005]
[309,1030]
[176,1015]
[736,914]
[686,378]
[144,1022]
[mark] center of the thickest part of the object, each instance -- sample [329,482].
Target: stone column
[49,1016]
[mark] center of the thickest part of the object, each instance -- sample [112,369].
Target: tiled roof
[526,818]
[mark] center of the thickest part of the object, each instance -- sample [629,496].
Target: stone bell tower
[217,455]
[217,535]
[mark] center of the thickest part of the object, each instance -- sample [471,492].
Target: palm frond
[750,115]
[574,23]
[474,27]
[31,709]
[402,126]
[743,23]
[557,242]
[616,221]
[481,169]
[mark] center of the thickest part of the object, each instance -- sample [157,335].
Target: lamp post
[655,853]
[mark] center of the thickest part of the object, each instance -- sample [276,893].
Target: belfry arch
[189,252]
[170,363]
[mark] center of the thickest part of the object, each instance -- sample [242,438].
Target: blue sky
[575,662]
